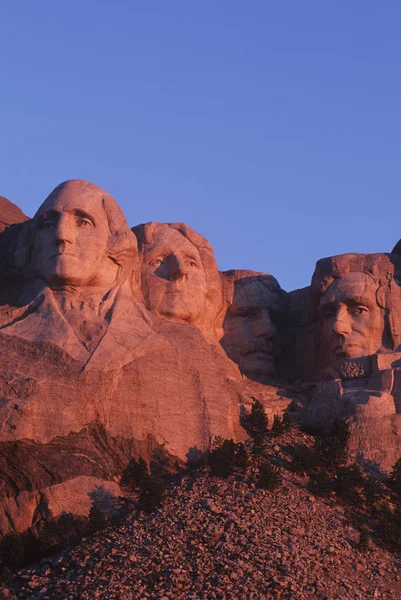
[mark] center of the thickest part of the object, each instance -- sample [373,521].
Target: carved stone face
[71,238]
[352,322]
[250,337]
[173,277]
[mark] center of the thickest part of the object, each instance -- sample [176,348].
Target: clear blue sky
[272,127]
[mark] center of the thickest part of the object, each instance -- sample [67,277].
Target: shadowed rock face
[180,279]
[251,331]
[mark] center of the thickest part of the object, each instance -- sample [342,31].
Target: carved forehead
[379,267]
[171,240]
[353,286]
[253,293]
[76,195]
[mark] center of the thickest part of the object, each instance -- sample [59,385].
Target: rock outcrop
[115,342]
[10,214]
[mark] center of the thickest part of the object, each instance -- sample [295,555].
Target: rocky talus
[224,539]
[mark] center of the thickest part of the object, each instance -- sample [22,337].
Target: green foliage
[277,427]
[305,459]
[349,483]
[320,484]
[13,550]
[97,519]
[241,459]
[135,474]
[395,477]
[389,526]
[286,421]
[371,490]
[269,477]
[332,452]
[363,542]
[5,575]
[160,462]
[221,457]
[152,493]
[256,421]
[258,447]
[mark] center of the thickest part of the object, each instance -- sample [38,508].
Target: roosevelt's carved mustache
[258,345]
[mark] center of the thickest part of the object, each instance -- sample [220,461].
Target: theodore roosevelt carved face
[250,332]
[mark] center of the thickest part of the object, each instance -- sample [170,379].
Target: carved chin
[257,363]
[178,308]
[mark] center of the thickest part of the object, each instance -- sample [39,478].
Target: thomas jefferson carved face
[352,322]
[173,277]
[250,336]
[71,239]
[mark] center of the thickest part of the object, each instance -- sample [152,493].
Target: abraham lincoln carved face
[352,322]
[357,300]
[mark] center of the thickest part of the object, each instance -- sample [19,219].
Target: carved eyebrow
[360,300]
[84,215]
[52,214]
[355,301]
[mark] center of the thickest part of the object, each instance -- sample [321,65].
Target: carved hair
[147,233]
[244,277]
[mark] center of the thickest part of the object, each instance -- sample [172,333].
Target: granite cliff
[119,341]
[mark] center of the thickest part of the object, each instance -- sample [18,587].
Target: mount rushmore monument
[118,341]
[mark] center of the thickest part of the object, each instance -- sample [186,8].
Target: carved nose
[341,322]
[263,326]
[177,269]
[64,232]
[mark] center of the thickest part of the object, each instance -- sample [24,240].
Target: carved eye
[84,222]
[47,225]
[359,310]
[192,263]
[327,314]
[156,262]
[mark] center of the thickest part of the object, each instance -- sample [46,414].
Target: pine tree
[269,477]
[221,457]
[152,493]
[257,420]
[278,427]
[97,518]
[286,421]
[363,542]
[395,477]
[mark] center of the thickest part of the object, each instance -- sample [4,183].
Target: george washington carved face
[71,238]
